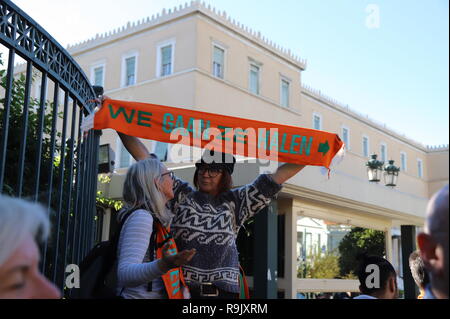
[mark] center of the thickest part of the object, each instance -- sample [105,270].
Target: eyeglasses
[170,173]
[212,172]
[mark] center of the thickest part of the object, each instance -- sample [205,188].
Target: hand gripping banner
[233,135]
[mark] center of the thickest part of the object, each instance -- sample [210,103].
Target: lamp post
[391,174]
[374,169]
[105,159]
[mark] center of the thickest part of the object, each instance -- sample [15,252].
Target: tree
[15,138]
[359,240]
[319,266]
[103,202]
[325,266]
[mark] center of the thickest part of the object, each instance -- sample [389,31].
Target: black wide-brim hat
[217,160]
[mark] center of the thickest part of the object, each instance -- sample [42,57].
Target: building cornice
[340,107]
[181,12]
[329,199]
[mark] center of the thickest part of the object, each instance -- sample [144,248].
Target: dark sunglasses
[212,171]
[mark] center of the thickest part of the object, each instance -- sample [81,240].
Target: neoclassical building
[198,58]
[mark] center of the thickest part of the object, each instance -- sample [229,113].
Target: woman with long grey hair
[22,224]
[148,187]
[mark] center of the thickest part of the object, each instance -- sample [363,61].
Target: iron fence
[44,156]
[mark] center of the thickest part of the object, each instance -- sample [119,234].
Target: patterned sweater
[211,225]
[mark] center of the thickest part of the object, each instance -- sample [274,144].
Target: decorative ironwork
[40,160]
[32,42]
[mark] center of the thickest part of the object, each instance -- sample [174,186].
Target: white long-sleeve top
[134,271]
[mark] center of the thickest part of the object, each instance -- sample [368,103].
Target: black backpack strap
[152,251]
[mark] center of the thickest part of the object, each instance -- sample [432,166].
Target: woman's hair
[386,271]
[141,191]
[225,184]
[18,219]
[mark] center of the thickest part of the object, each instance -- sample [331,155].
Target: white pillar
[290,265]
[388,244]
[106,224]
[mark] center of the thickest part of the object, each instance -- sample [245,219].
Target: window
[403,161]
[165,58]
[419,168]
[365,146]
[130,77]
[129,69]
[161,151]
[346,137]
[218,62]
[254,78]
[383,151]
[317,121]
[123,158]
[285,93]
[98,74]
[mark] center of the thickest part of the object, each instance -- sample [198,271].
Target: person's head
[21,224]
[377,277]
[418,270]
[213,172]
[149,185]
[433,243]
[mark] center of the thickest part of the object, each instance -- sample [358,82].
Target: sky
[388,59]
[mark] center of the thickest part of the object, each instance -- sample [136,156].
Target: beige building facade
[197,58]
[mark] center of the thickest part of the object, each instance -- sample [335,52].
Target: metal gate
[43,155]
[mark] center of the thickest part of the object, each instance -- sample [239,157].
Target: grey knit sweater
[211,225]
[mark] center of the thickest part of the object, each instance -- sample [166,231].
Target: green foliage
[320,266]
[357,241]
[105,202]
[325,266]
[57,196]
[15,137]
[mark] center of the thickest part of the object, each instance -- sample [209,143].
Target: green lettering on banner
[196,131]
[179,122]
[224,130]
[274,142]
[262,138]
[307,148]
[141,118]
[238,134]
[168,126]
[190,126]
[293,143]
[283,143]
[128,118]
[180,125]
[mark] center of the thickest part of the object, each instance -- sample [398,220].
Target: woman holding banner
[209,217]
[148,259]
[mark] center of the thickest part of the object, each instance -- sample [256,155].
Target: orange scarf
[173,280]
[227,134]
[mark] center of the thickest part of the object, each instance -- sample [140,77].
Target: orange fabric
[173,279]
[245,293]
[228,134]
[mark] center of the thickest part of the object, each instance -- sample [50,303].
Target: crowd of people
[204,221]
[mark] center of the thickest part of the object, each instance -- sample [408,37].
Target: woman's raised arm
[134,146]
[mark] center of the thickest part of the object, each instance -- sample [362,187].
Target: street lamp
[374,169]
[391,174]
[105,159]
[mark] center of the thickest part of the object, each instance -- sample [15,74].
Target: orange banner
[228,134]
